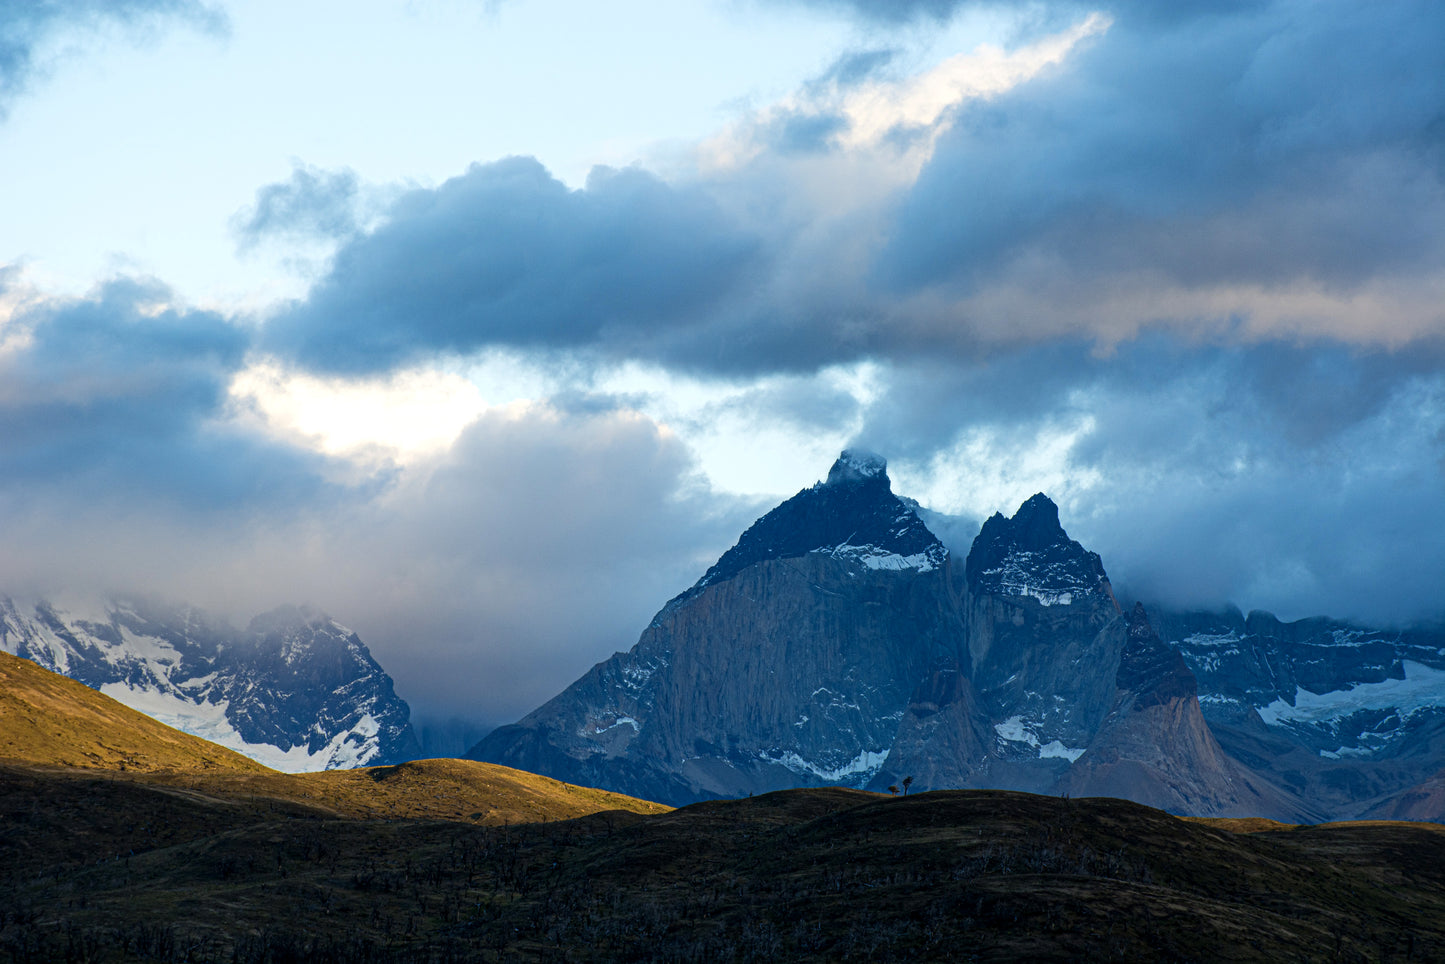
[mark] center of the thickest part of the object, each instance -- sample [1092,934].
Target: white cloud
[408,414]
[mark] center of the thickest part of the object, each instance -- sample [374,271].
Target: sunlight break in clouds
[412,414]
[873,111]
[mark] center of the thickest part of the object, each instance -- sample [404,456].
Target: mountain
[1342,714]
[295,690]
[124,839]
[840,642]
[788,663]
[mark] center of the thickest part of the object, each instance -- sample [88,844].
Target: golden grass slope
[52,720]
[461,790]
[49,720]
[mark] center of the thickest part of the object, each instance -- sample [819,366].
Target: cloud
[311,205]
[123,461]
[27,25]
[891,12]
[506,254]
[1235,163]
[119,397]
[756,265]
[543,541]
[485,575]
[898,13]
[1106,179]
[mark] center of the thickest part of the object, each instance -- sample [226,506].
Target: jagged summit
[1037,522]
[858,465]
[853,515]
[1031,555]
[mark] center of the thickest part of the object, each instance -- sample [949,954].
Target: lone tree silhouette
[907,782]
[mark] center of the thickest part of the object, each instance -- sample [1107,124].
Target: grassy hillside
[49,719]
[464,790]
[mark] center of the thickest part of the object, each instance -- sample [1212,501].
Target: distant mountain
[295,690]
[839,642]
[1344,715]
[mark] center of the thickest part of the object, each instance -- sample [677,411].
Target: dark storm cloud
[114,399]
[311,204]
[1292,142]
[507,254]
[26,24]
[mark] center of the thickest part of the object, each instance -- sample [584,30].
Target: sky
[487,325]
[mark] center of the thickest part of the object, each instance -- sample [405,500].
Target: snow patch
[859,769]
[1025,573]
[1057,750]
[1422,688]
[1015,730]
[878,558]
[208,721]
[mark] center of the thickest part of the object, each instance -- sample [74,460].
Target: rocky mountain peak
[854,515]
[1031,555]
[858,465]
[1036,523]
[1140,629]
[295,690]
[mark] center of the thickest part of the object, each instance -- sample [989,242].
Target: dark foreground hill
[97,867]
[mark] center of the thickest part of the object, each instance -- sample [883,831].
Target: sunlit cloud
[406,414]
[899,119]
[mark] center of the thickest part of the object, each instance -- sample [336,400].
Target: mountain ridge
[295,689]
[1014,667]
[791,663]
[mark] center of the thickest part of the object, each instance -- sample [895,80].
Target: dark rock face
[839,643]
[1031,555]
[794,672]
[1156,673]
[853,515]
[295,690]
